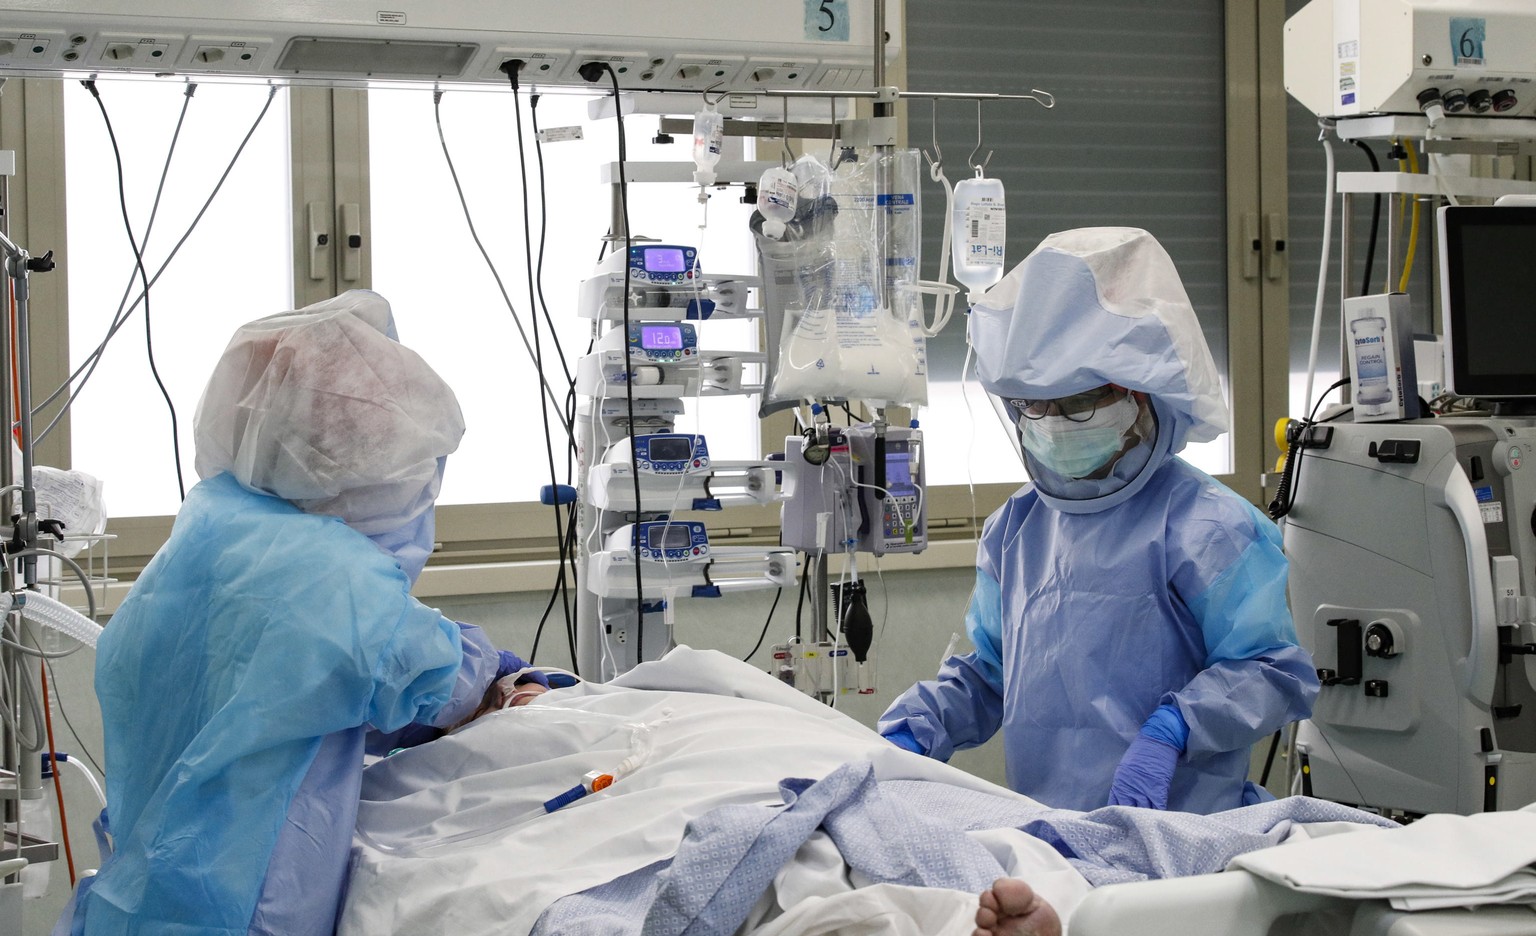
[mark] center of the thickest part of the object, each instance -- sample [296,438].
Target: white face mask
[1078,449]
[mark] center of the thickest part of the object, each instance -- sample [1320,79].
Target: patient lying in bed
[739,806]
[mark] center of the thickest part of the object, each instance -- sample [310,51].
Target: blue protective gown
[236,683]
[1084,623]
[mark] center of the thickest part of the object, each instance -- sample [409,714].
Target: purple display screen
[898,474]
[661,337]
[664,260]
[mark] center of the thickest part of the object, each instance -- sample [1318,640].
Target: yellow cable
[1413,232]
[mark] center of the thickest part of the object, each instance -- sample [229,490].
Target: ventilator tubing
[40,609]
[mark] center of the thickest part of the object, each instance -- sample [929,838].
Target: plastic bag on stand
[839,325]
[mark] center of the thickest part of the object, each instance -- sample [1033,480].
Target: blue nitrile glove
[1146,770]
[511,663]
[903,738]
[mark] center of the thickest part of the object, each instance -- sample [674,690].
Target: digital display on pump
[671,536]
[661,337]
[898,474]
[664,260]
[671,448]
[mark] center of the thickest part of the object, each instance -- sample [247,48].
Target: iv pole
[20,769]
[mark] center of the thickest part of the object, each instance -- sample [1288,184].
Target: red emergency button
[695,550]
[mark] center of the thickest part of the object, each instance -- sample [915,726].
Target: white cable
[1322,275]
[942,290]
[1434,114]
[970,451]
[90,778]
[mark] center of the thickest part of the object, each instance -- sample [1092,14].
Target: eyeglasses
[1079,407]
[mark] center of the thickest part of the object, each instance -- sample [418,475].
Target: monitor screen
[664,260]
[670,536]
[898,474]
[671,448]
[1489,302]
[661,337]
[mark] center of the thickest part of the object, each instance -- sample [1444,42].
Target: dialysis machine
[1413,566]
[1413,561]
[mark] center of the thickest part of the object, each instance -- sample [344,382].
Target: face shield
[1082,446]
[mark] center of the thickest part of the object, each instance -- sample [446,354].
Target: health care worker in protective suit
[241,677]
[1129,615]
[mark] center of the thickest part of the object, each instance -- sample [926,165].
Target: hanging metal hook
[936,161]
[1044,98]
[787,156]
[718,98]
[832,159]
[972,160]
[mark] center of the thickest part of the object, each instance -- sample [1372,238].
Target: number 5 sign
[827,20]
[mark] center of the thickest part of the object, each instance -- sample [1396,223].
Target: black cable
[138,259]
[755,647]
[154,210]
[517,321]
[570,392]
[538,151]
[1269,759]
[59,698]
[805,575]
[567,545]
[1370,251]
[589,71]
[538,287]
[538,351]
[1290,474]
[88,366]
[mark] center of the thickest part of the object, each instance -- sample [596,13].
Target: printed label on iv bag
[985,230]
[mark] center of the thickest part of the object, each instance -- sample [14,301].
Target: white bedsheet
[721,733]
[1438,861]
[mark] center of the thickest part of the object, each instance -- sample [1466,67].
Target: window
[234,267]
[447,303]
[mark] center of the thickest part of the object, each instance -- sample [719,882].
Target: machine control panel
[670,453]
[899,515]
[663,263]
[671,540]
[663,342]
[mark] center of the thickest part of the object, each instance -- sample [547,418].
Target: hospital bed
[453,836]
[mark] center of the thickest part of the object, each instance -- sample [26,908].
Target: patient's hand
[1012,908]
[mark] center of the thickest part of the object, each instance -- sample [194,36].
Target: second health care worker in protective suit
[1129,615]
[241,677]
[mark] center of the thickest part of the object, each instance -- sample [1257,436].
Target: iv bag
[708,139]
[980,232]
[839,325]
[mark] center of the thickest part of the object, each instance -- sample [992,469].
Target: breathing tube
[40,609]
[595,781]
